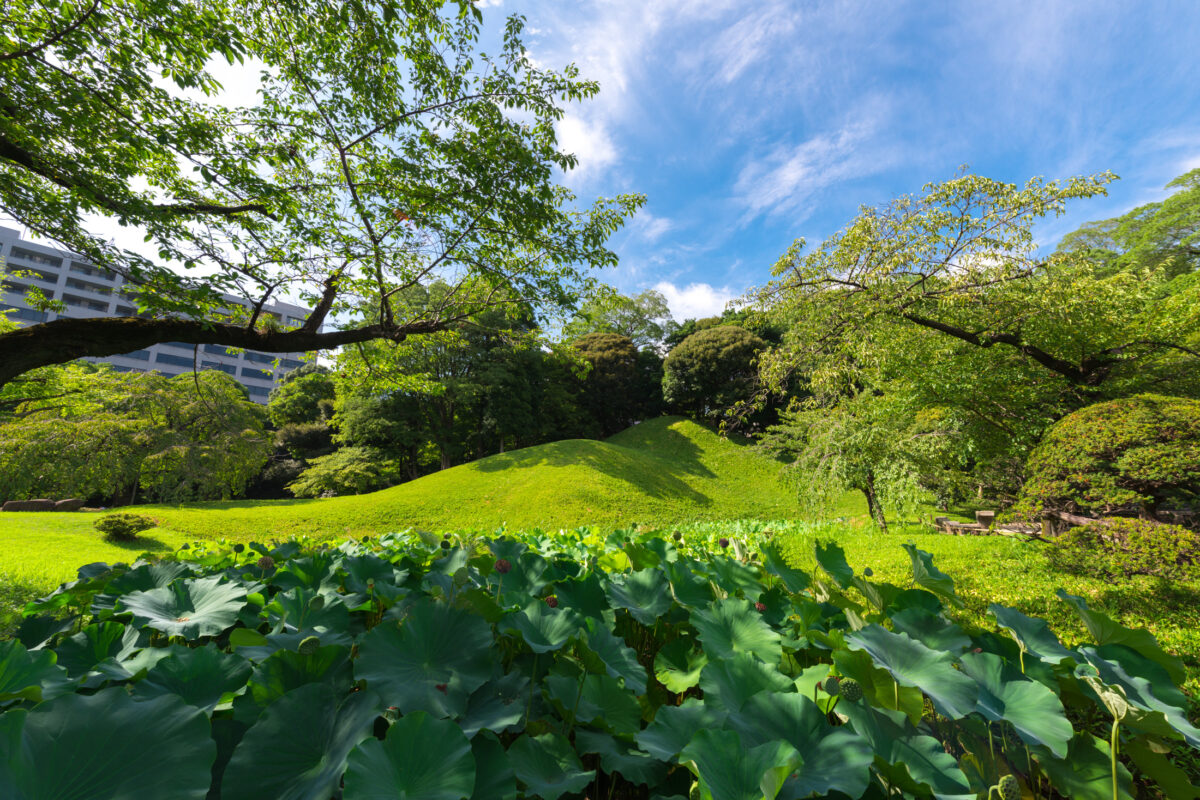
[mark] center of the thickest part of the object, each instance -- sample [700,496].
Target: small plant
[1123,547]
[123,527]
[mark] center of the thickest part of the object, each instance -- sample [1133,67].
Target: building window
[88,287]
[35,274]
[125,311]
[260,358]
[35,258]
[83,302]
[178,361]
[247,372]
[139,355]
[14,288]
[217,350]
[95,272]
[258,391]
[291,363]
[223,367]
[24,314]
[179,346]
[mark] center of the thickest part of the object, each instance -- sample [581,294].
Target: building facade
[89,291]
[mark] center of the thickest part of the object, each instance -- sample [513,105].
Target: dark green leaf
[421,757]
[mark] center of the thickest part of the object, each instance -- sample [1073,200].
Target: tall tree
[385,150]
[644,318]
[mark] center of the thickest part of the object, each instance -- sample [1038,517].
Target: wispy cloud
[696,300]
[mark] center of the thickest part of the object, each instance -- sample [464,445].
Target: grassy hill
[664,471]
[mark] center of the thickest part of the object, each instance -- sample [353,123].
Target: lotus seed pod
[238,548]
[851,690]
[678,536]
[723,542]
[391,713]
[832,686]
[266,562]
[445,544]
[309,645]
[1009,788]
[868,572]
[316,604]
[503,566]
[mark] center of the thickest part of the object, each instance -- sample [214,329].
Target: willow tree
[385,150]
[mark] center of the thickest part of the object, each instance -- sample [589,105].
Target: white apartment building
[89,291]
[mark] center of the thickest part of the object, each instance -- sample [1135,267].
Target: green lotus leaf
[926,575]
[733,576]
[286,670]
[1032,635]
[913,664]
[640,556]
[294,610]
[599,699]
[1105,630]
[677,665]
[106,745]
[201,676]
[246,637]
[435,646]
[616,658]
[932,630]
[527,578]
[732,626]
[313,571]
[730,682]
[189,608]
[1086,772]
[794,580]
[496,706]
[1174,782]
[729,771]
[645,593]
[548,765]
[674,726]
[1145,683]
[142,578]
[912,756]
[256,647]
[1033,709]
[878,685]
[79,654]
[585,595]
[688,585]
[832,559]
[617,757]
[30,676]
[545,629]
[494,777]
[35,631]
[298,748]
[421,757]
[834,758]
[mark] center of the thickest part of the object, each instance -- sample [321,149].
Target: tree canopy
[645,318]
[385,151]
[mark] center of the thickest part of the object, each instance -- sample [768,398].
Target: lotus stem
[1115,739]
[1021,655]
[532,683]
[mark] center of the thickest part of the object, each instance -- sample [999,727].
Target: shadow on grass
[144,544]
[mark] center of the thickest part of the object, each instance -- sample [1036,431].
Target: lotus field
[568,665]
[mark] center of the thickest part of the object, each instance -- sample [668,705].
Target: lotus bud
[760,606]
[723,542]
[850,690]
[441,687]
[308,646]
[503,566]
[552,601]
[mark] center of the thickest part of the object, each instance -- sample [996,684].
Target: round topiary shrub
[1123,547]
[123,527]
[1125,457]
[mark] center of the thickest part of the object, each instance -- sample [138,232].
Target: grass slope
[665,471]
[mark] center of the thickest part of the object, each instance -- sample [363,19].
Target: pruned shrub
[123,527]
[1122,547]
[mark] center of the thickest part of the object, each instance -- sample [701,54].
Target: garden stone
[28,505]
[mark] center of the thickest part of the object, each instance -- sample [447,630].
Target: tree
[350,470]
[384,151]
[644,318]
[303,396]
[618,389]
[711,371]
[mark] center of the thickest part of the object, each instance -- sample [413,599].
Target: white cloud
[589,141]
[696,300]
[651,228]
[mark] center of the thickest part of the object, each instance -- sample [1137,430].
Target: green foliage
[304,396]
[645,319]
[1128,456]
[124,527]
[349,470]
[1120,547]
[431,669]
[623,384]
[711,371]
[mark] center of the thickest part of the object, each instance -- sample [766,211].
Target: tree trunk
[873,505]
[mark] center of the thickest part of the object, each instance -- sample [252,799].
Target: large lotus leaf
[674,726]
[545,629]
[79,654]
[1174,782]
[35,631]
[732,626]
[420,758]
[878,685]
[923,759]
[1145,683]
[733,576]
[106,745]
[640,556]
[141,578]
[1105,630]
[831,558]
[729,771]
[369,567]
[1033,709]
[494,777]
[30,676]
[1086,772]
[201,676]
[794,580]
[298,609]
[253,645]
[677,665]
[932,630]
[834,758]
[690,589]
[926,575]
[497,706]
[913,664]
[297,749]
[730,682]
[645,593]
[616,756]
[614,656]
[287,670]
[436,646]
[548,765]
[585,595]
[1032,634]
[189,608]
[599,699]
[526,579]
[312,571]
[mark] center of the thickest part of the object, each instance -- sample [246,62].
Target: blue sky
[750,124]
